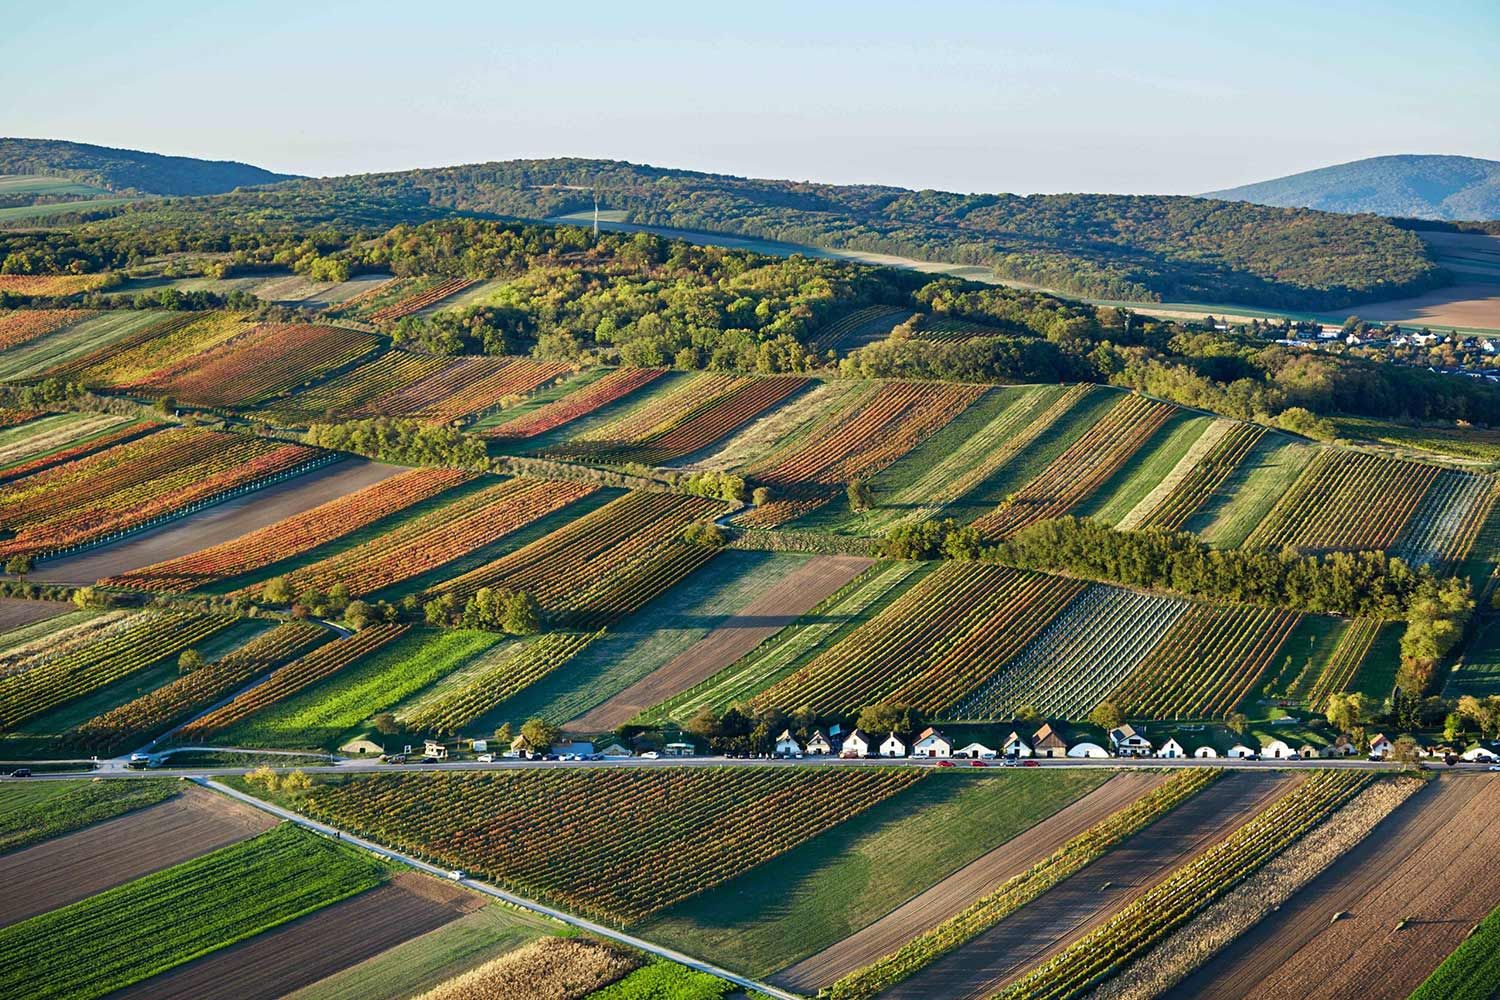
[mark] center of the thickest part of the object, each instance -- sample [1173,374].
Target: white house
[818,744]
[1240,751]
[1087,750]
[858,744]
[1277,750]
[1171,748]
[1480,754]
[931,743]
[1205,751]
[892,747]
[1014,746]
[787,745]
[1128,742]
[615,750]
[975,751]
[435,750]
[1380,746]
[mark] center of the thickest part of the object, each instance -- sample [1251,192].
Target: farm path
[778,607]
[970,883]
[1430,863]
[15,612]
[315,946]
[77,865]
[1076,905]
[220,523]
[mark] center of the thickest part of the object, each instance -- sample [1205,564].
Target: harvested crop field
[1431,864]
[306,950]
[219,523]
[778,607]
[1074,907]
[15,612]
[72,867]
[968,884]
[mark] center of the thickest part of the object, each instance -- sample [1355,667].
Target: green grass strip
[665,981]
[145,927]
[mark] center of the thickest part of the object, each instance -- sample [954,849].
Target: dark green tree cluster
[406,442]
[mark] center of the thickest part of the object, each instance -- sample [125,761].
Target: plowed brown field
[1430,863]
[313,947]
[75,866]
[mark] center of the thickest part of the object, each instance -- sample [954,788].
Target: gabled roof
[931,732]
[893,736]
[1014,737]
[1379,738]
[1046,738]
[786,734]
[861,736]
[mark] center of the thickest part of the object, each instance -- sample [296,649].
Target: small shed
[1205,752]
[1380,746]
[1087,750]
[787,745]
[1172,749]
[1480,754]
[435,749]
[1046,743]
[858,744]
[893,747]
[932,743]
[363,745]
[975,751]
[616,750]
[1308,752]
[1015,746]
[818,744]
[1240,751]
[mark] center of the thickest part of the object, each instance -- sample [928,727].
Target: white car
[650,755]
[486,758]
[1495,767]
[456,875]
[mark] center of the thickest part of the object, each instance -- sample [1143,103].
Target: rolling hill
[1422,187]
[127,171]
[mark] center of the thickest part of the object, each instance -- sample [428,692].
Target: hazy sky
[1127,97]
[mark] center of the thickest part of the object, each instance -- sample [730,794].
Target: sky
[1178,97]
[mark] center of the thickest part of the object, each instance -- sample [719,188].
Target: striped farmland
[1086,651]
[1345,501]
[1171,508]
[1443,527]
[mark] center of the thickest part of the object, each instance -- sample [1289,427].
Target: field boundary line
[500,894]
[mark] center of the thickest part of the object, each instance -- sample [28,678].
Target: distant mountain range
[128,171]
[1453,188]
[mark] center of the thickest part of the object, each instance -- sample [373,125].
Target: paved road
[115,769]
[491,890]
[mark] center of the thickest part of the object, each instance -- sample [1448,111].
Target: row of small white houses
[1124,741]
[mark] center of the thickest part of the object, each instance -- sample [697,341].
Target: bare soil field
[1078,904]
[1470,306]
[77,865]
[975,880]
[15,612]
[763,617]
[1430,863]
[219,523]
[313,947]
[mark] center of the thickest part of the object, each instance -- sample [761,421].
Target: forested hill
[1103,246]
[126,170]
[1420,187]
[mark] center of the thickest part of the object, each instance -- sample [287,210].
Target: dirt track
[218,523]
[976,879]
[77,865]
[1075,906]
[1431,863]
[316,946]
[15,612]
[772,611]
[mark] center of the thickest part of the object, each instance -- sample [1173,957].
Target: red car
[977,763]
[945,763]
[1031,763]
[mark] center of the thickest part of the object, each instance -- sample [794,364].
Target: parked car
[595,756]
[1493,767]
[550,756]
[977,763]
[946,763]
[457,875]
[21,772]
[1028,762]
[139,759]
[650,755]
[486,758]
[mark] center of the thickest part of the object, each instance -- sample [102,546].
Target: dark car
[21,772]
